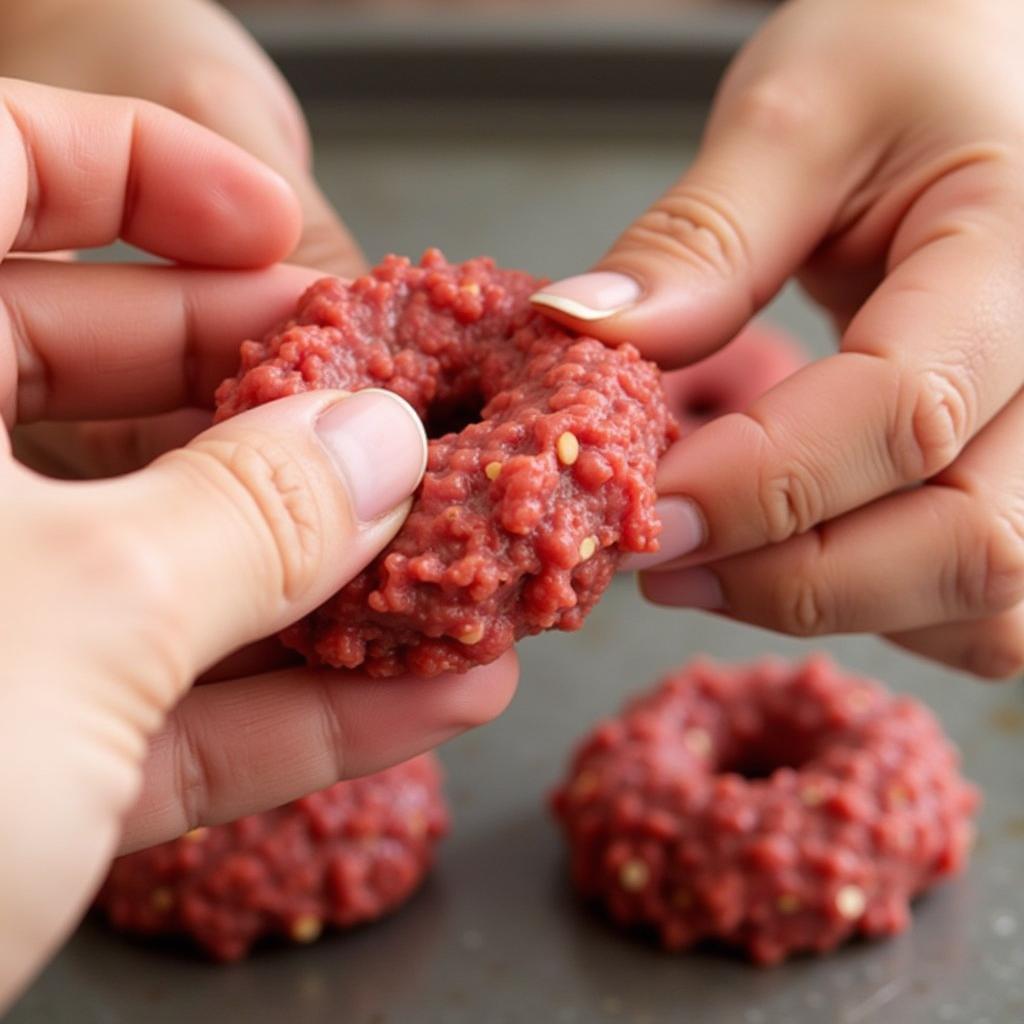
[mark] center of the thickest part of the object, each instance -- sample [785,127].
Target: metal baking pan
[495,937]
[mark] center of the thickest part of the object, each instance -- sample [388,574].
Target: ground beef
[541,467]
[337,858]
[768,807]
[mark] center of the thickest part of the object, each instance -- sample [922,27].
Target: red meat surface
[768,807]
[541,468]
[337,858]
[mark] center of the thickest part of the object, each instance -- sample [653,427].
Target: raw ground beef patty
[768,807]
[541,467]
[340,857]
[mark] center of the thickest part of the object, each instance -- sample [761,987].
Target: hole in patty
[777,745]
[454,412]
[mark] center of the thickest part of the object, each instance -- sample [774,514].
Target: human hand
[876,150]
[193,57]
[117,594]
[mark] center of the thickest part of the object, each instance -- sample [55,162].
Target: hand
[193,57]
[876,150]
[118,594]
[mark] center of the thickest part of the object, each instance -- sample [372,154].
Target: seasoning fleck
[788,903]
[568,448]
[306,928]
[851,901]
[161,898]
[471,636]
[634,875]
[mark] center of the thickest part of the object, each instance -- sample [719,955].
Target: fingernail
[687,588]
[378,443]
[682,531]
[590,296]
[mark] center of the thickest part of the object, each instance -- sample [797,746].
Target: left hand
[193,57]
[116,594]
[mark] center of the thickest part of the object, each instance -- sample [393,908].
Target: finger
[258,520]
[325,244]
[87,341]
[693,269]
[221,98]
[197,60]
[927,363]
[60,256]
[84,170]
[105,448]
[992,648]
[249,745]
[264,656]
[949,551]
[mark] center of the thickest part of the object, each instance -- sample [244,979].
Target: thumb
[261,518]
[694,268]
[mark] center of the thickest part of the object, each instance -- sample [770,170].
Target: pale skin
[190,56]
[121,592]
[874,149]
[887,145]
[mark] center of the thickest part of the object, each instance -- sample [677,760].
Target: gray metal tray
[495,937]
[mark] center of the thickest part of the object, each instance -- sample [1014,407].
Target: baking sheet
[495,937]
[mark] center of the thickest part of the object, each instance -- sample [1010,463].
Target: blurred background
[435,119]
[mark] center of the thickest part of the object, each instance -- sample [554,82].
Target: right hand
[875,150]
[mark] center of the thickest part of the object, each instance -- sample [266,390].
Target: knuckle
[1002,571]
[788,502]
[278,505]
[334,730]
[192,775]
[804,605]
[988,574]
[780,106]
[789,499]
[934,421]
[801,607]
[995,660]
[697,226]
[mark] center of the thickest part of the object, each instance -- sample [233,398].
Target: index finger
[928,361]
[84,170]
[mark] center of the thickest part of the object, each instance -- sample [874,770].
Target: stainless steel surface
[495,938]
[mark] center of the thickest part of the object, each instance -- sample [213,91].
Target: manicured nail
[378,443]
[687,588]
[590,296]
[682,531]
